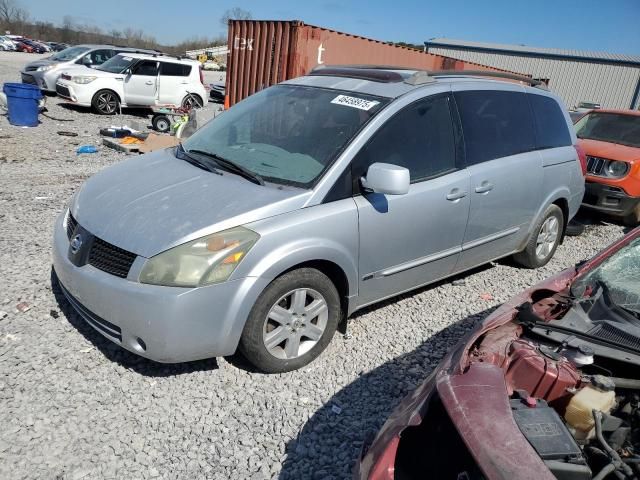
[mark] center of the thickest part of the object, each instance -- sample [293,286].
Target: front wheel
[292,321]
[544,241]
[106,102]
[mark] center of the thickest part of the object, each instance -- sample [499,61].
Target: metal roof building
[610,79]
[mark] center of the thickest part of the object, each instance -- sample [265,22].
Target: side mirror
[386,178]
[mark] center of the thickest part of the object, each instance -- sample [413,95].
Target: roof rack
[419,77]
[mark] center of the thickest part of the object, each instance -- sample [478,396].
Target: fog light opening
[141,344]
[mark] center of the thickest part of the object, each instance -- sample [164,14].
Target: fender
[287,256]
[559,193]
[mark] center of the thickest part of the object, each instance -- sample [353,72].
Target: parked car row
[107,77]
[22,44]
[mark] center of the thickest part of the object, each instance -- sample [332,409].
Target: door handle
[485,187]
[148,83]
[456,194]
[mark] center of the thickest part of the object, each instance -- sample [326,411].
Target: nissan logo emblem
[76,243]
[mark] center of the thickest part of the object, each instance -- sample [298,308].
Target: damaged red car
[548,386]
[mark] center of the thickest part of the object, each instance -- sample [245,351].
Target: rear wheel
[192,101]
[292,321]
[544,241]
[106,102]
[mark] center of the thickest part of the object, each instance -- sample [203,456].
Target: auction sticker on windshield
[355,102]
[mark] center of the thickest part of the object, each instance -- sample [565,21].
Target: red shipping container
[263,53]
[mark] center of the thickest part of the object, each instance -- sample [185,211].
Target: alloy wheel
[107,102]
[547,237]
[295,323]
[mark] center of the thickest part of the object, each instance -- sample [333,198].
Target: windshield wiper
[231,166]
[182,154]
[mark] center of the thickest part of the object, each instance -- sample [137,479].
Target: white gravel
[74,406]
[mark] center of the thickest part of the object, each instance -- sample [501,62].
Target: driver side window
[420,137]
[147,68]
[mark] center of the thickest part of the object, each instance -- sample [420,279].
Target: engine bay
[571,363]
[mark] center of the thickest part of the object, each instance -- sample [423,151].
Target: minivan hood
[156,201]
[40,63]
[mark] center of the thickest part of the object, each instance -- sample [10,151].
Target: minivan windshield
[610,127]
[287,134]
[116,64]
[70,53]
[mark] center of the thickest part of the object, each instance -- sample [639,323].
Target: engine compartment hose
[628,383]
[604,472]
[616,462]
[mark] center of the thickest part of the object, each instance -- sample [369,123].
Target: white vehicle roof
[164,58]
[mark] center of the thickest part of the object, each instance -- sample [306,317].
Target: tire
[544,241]
[106,102]
[574,229]
[633,219]
[161,123]
[191,100]
[274,339]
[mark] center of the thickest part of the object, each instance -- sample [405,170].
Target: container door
[413,239]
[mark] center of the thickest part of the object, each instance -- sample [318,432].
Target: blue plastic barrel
[22,102]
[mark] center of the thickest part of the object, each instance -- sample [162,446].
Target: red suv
[611,141]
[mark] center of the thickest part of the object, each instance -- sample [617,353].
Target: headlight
[615,168]
[82,79]
[44,68]
[207,260]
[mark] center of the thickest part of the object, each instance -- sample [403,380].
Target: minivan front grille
[110,259]
[595,165]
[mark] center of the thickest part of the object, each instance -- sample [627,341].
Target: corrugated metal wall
[613,86]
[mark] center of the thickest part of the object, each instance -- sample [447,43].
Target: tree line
[16,19]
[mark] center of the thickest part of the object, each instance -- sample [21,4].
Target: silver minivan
[45,72]
[310,200]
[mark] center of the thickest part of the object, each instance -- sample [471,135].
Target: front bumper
[45,80]
[608,199]
[174,324]
[78,94]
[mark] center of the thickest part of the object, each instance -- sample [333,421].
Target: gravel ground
[74,406]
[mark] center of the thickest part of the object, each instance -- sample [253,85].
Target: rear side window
[495,124]
[551,126]
[420,138]
[174,69]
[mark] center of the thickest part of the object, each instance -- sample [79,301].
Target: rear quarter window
[551,127]
[175,69]
[495,124]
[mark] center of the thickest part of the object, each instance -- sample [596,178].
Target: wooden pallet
[116,145]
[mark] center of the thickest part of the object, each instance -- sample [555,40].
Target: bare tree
[235,13]
[12,15]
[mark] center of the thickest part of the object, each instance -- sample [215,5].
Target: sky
[597,25]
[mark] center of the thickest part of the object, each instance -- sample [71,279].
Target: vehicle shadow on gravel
[329,444]
[134,112]
[118,354]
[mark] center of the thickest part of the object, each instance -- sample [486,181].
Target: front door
[505,171]
[141,85]
[413,239]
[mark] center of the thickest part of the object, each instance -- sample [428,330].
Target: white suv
[131,80]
